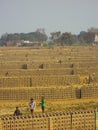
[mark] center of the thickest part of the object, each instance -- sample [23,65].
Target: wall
[79,120]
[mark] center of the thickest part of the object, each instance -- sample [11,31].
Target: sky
[24,16]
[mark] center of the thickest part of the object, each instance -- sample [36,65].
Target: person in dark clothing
[17,112]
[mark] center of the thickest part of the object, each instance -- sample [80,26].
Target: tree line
[56,38]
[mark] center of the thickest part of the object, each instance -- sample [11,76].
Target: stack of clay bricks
[12,65]
[50,93]
[25,93]
[15,82]
[57,80]
[89,91]
[81,120]
[40,80]
[23,70]
[35,72]
[49,71]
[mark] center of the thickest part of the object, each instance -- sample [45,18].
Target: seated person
[17,112]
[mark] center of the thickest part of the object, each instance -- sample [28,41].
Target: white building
[95,40]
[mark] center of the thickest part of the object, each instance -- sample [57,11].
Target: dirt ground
[8,107]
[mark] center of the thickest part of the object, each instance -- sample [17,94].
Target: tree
[67,39]
[93,30]
[86,37]
[18,37]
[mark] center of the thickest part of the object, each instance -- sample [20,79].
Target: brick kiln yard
[66,76]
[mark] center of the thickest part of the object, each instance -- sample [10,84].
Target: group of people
[32,105]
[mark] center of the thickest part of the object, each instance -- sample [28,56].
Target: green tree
[67,39]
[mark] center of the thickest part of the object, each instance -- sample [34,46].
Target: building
[55,35]
[95,40]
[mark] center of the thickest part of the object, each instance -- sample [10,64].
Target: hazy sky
[17,16]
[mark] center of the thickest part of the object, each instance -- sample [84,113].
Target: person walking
[43,104]
[32,105]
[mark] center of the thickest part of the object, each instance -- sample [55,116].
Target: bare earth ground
[8,107]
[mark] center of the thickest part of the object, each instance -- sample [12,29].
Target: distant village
[28,43]
[39,38]
[54,37]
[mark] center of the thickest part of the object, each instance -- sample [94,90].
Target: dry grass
[8,107]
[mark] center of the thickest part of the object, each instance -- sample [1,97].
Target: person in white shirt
[32,105]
